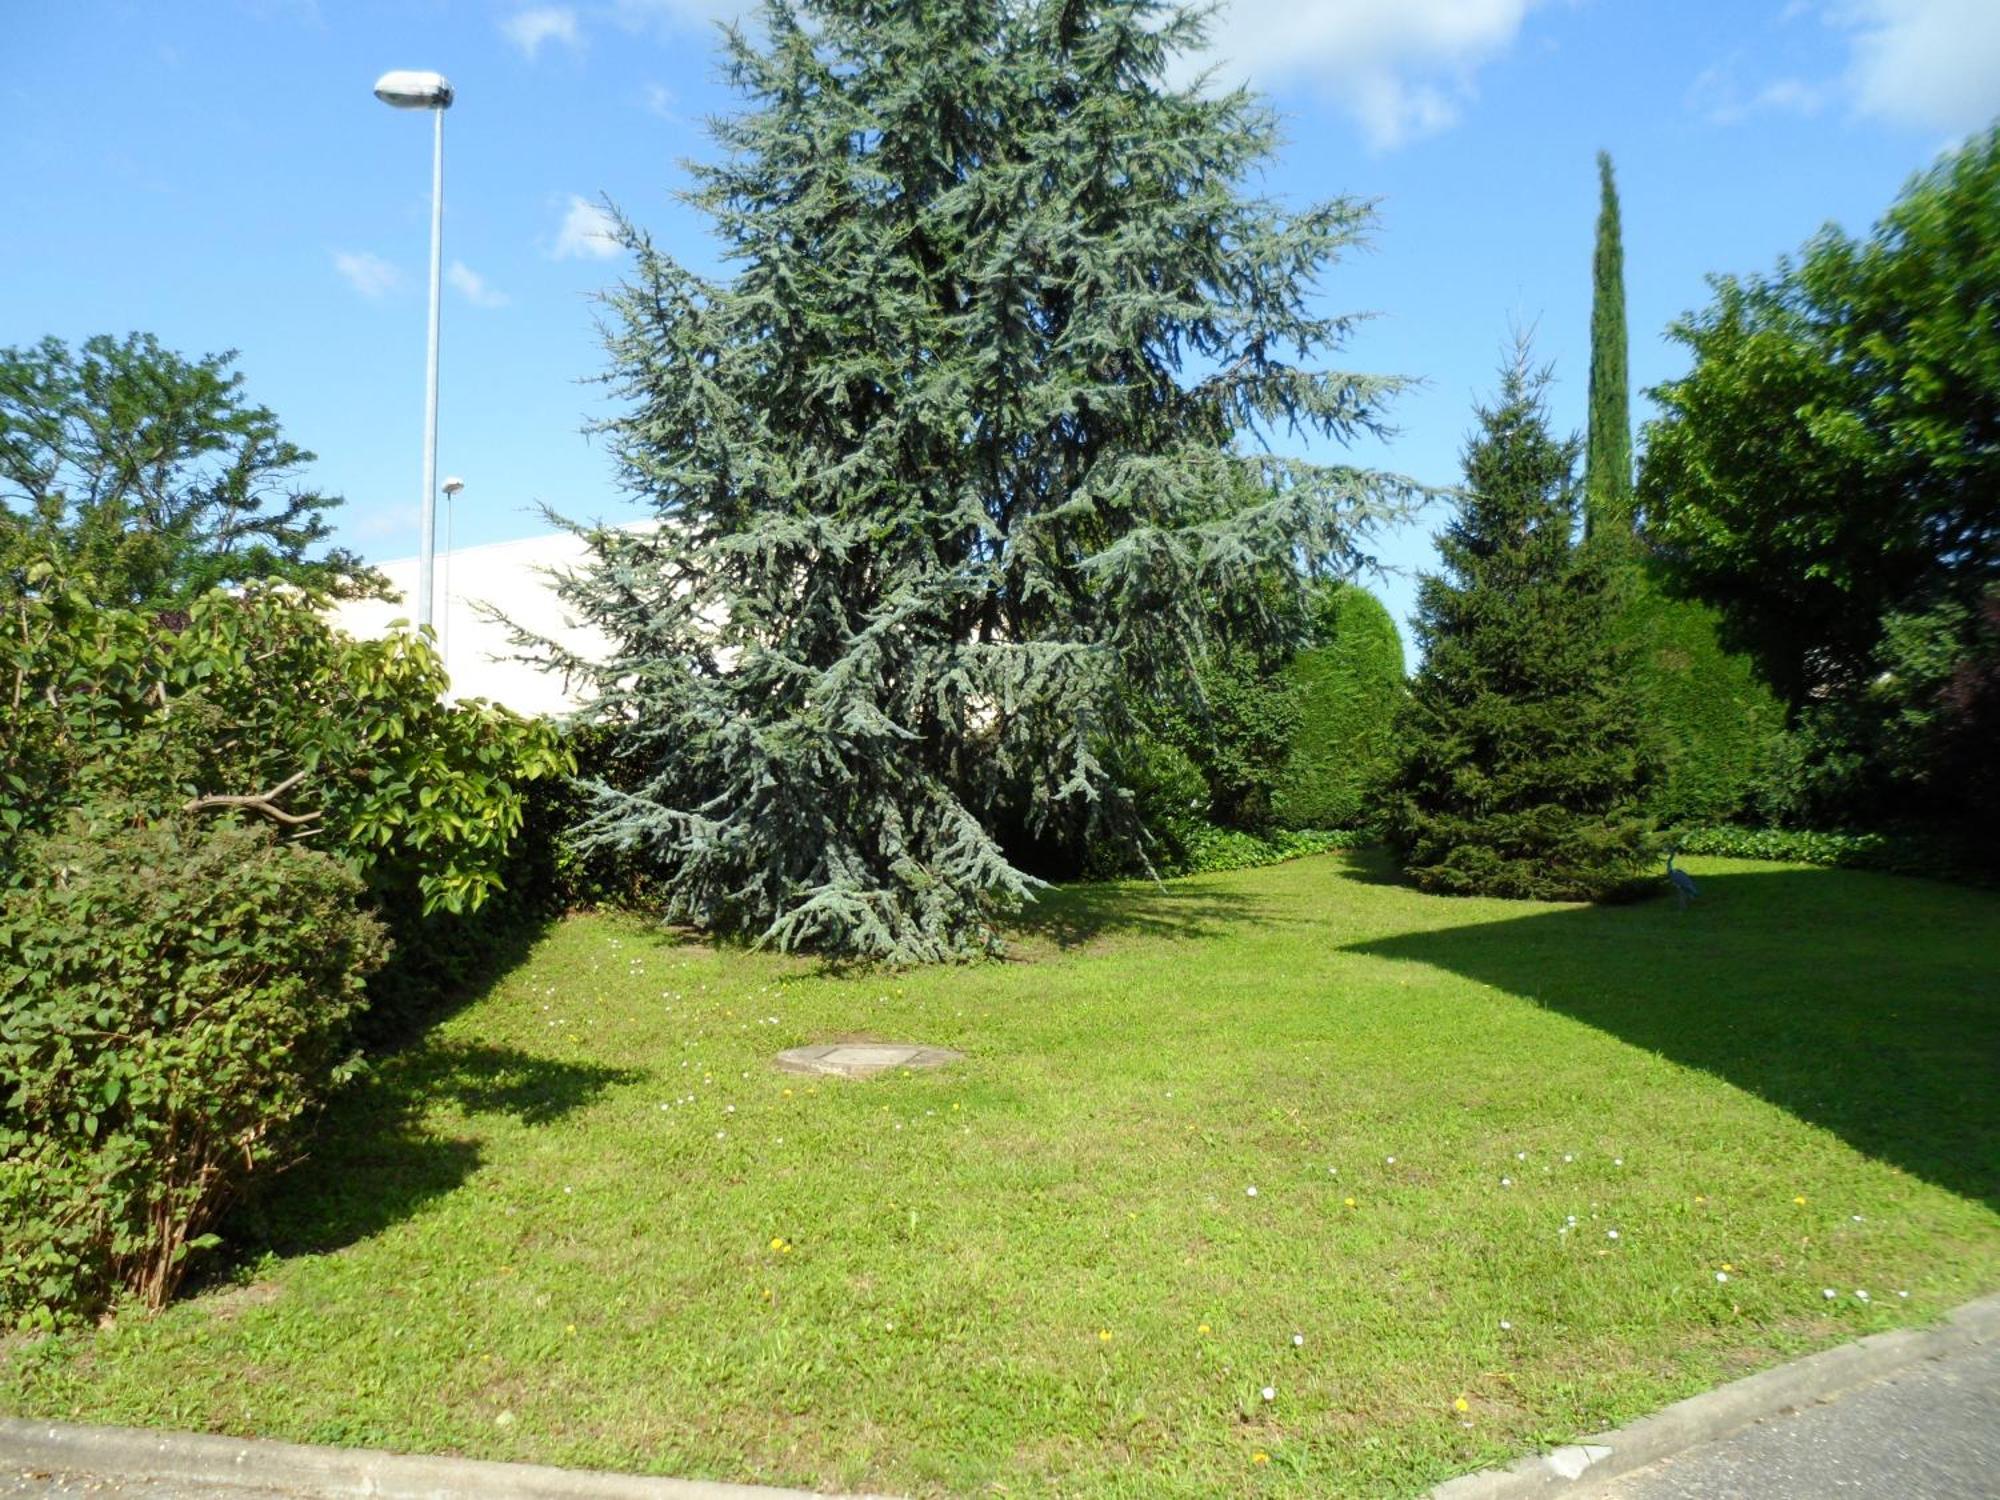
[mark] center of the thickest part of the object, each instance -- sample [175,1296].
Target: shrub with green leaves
[1347,689]
[179,996]
[1236,732]
[253,702]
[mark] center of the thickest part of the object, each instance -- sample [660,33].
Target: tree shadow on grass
[1373,864]
[372,1160]
[1071,916]
[1866,1004]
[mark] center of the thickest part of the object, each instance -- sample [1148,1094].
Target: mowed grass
[1503,1157]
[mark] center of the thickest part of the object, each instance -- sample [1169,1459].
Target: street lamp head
[453,485]
[408,88]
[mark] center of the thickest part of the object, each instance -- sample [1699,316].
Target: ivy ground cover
[1291,1181]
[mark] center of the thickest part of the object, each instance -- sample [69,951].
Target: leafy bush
[1169,798]
[1913,747]
[254,701]
[1237,736]
[1208,849]
[1347,690]
[179,996]
[1911,851]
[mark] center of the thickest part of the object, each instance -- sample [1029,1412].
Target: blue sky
[216,171]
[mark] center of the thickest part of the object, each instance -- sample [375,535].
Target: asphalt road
[1929,1433]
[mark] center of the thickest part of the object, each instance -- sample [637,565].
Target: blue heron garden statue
[1685,890]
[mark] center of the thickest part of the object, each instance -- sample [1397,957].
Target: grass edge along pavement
[129,1453]
[1044,1267]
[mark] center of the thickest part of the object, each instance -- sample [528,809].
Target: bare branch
[262,803]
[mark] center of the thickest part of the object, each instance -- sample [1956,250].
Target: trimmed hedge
[1348,688]
[1717,728]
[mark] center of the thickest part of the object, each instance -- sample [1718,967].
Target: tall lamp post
[408,89]
[451,488]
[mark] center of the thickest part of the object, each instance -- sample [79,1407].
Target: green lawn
[1500,1154]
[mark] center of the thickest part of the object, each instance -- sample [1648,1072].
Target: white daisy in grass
[1250,1191]
[1270,1393]
[1298,1341]
[1829,1293]
[1611,1234]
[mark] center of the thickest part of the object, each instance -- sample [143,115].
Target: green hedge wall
[1717,726]
[1348,687]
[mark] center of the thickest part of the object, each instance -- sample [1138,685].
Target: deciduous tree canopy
[147,478]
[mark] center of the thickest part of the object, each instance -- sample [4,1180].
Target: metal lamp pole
[451,488]
[405,89]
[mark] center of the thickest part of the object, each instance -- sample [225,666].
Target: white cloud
[1401,68]
[529,29]
[676,15]
[587,233]
[473,286]
[1719,95]
[1929,63]
[368,274]
[659,100]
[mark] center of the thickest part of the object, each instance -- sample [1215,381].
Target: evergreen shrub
[179,998]
[1522,763]
[1347,689]
[1717,727]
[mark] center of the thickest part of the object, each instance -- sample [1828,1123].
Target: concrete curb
[261,1464]
[1574,1470]
[1579,1469]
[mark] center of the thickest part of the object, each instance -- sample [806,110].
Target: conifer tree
[962,458]
[1608,464]
[1522,762]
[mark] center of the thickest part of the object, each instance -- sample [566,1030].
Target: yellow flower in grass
[1352,1204]
[1203,1329]
[1800,1200]
[1104,1335]
[1260,1458]
[1461,1404]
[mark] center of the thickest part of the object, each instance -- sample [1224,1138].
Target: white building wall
[510,576]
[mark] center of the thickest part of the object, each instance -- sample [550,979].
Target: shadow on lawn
[1865,1004]
[373,1163]
[1070,916]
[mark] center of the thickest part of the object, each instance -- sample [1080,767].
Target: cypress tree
[961,459]
[1522,763]
[1713,724]
[1608,465]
